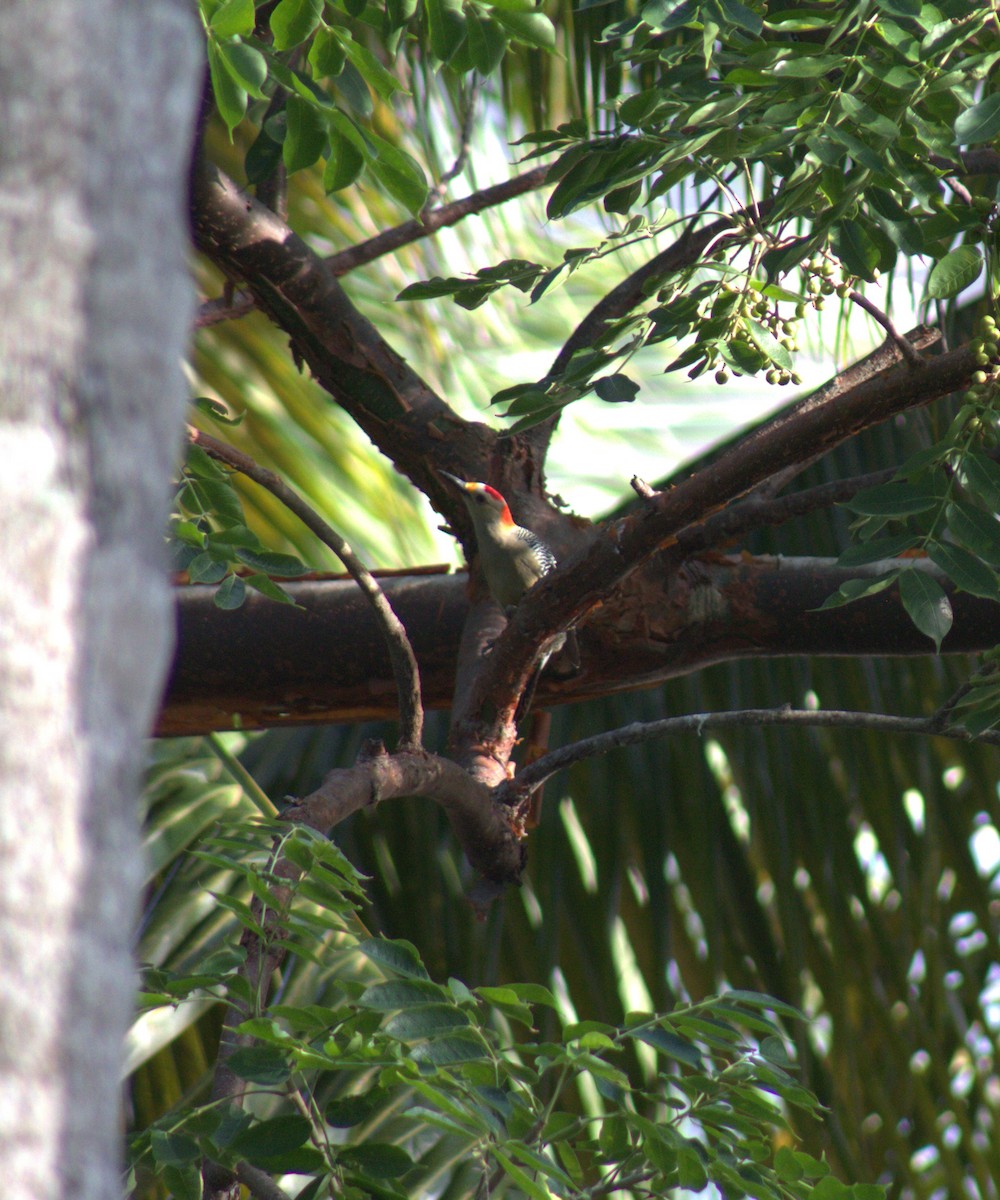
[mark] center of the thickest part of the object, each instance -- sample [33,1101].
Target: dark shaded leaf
[924,599]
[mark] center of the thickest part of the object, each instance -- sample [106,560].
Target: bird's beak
[455,480]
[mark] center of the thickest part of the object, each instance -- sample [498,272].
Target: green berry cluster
[747,348]
[978,413]
[986,348]
[821,280]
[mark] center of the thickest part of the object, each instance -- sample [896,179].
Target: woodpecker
[513,558]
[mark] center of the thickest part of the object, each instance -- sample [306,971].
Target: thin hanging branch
[913,357]
[544,768]
[404,662]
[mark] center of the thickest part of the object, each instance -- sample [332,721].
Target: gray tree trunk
[97,100]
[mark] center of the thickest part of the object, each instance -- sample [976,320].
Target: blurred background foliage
[854,876]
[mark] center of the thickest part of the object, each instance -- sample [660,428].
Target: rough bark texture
[96,104]
[325,661]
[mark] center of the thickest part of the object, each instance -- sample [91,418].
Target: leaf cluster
[212,544]
[370,1093]
[310,76]
[823,137]
[941,506]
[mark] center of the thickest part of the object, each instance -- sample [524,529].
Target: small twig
[641,488]
[942,715]
[224,308]
[404,663]
[906,347]
[251,788]
[643,731]
[756,513]
[438,218]
[464,139]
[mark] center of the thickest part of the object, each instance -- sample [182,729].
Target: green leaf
[669,1044]
[877,549]
[354,90]
[259,1064]
[742,17]
[230,97]
[538,1162]
[398,956]
[344,164]
[216,411]
[901,8]
[533,29]
[399,173]
[981,123]
[426,1021]
[858,589]
[524,1181]
[327,54]
[293,21]
[305,140]
[233,17]
[616,389]
[267,587]
[173,1149]
[272,563]
[807,66]
[246,66]
[445,27]
[377,1160]
[533,993]
[183,1183]
[664,15]
[830,1188]
[487,43]
[768,344]
[206,568]
[976,530]
[230,594]
[278,1135]
[957,270]
[352,1110]
[370,69]
[925,601]
[448,1051]
[787,1166]
[199,463]
[855,248]
[982,476]
[965,570]
[399,993]
[897,499]
[448,1102]
[691,1172]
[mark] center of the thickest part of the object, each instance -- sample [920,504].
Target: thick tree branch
[404,663]
[481,826]
[325,660]
[814,426]
[887,355]
[345,352]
